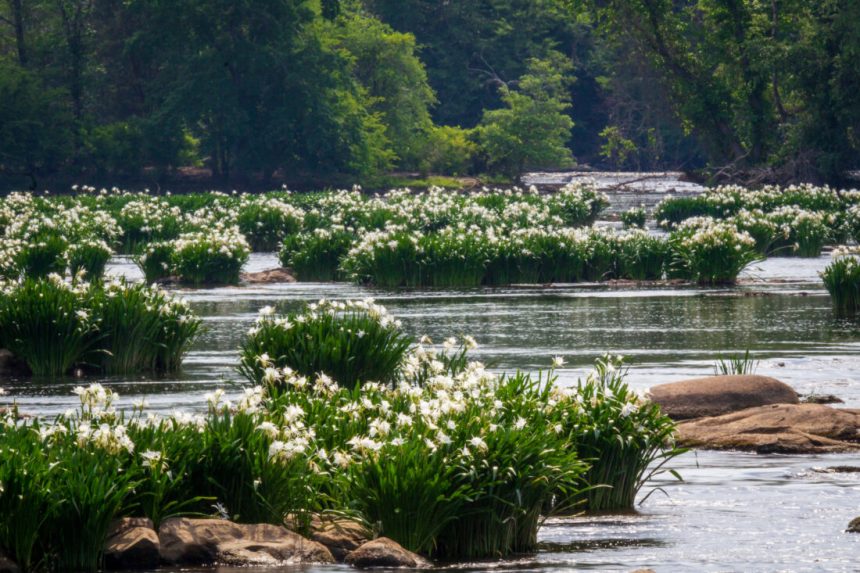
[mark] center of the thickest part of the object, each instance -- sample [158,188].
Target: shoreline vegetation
[483,457]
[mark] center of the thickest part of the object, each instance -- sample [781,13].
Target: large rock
[271,276]
[132,543]
[717,395]
[341,536]
[778,428]
[207,541]
[385,552]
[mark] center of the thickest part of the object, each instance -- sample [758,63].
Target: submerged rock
[778,428]
[132,543]
[7,565]
[717,395]
[207,541]
[821,399]
[340,536]
[11,366]
[385,552]
[271,276]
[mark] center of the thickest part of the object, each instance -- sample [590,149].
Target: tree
[35,128]
[532,130]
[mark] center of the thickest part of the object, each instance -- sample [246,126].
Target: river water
[733,511]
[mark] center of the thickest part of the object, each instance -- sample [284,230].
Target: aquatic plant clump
[213,257]
[625,438]
[842,280]
[54,327]
[317,255]
[266,221]
[711,253]
[634,218]
[352,342]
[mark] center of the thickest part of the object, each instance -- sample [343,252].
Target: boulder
[271,276]
[207,541]
[717,395]
[854,526]
[7,565]
[385,552]
[338,534]
[132,543]
[778,428]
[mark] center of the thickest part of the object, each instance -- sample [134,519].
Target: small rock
[340,535]
[207,541]
[643,571]
[271,276]
[821,399]
[718,395]
[778,428]
[385,552]
[854,526]
[7,565]
[10,366]
[132,543]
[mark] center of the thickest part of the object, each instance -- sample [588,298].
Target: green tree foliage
[532,130]
[385,63]
[35,128]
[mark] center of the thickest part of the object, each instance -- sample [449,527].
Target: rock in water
[717,395]
[778,428]
[207,541]
[854,526]
[7,565]
[385,552]
[340,535]
[271,276]
[132,543]
[10,366]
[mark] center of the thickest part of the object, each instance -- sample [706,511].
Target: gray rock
[271,276]
[718,395]
[385,552]
[132,543]
[854,526]
[207,541]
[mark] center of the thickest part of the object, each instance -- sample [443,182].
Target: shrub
[353,342]
[634,218]
[711,253]
[212,257]
[266,221]
[842,280]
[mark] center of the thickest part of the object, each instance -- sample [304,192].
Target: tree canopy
[327,88]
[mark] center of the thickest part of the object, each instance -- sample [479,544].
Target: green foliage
[842,280]
[633,218]
[448,149]
[54,327]
[353,343]
[213,257]
[617,149]
[316,256]
[532,130]
[90,256]
[736,364]
[713,254]
[626,439]
[155,261]
[265,222]
[35,126]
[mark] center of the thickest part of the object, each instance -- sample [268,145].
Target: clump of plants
[842,280]
[711,253]
[353,342]
[213,257]
[317,255]
[735,364]
[267,221]
[89,256]
[55,327]
[633,218]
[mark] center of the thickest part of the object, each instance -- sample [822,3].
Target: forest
[323,92]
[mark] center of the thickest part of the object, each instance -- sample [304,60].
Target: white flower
[557,361]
